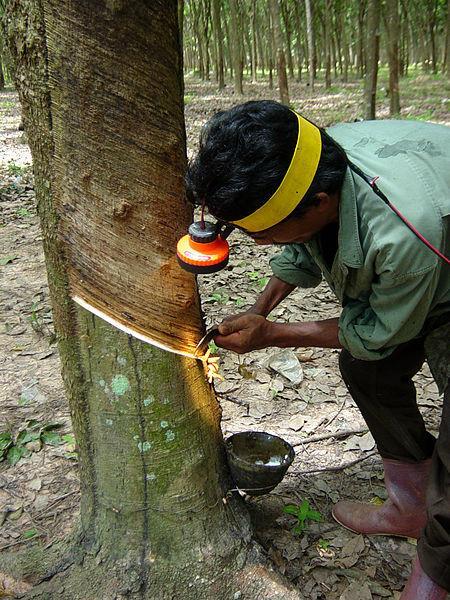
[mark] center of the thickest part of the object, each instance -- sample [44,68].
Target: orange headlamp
[205,248]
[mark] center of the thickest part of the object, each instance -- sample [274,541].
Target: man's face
[298,230]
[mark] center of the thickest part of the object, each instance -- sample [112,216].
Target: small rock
[296,423]
[35,484]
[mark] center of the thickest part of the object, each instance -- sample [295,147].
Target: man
[280,179]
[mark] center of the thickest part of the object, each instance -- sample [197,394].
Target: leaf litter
[302,400]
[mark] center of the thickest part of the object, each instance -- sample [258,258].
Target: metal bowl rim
[284,465]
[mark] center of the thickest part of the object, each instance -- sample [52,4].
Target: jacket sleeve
[295,265]
[393,313]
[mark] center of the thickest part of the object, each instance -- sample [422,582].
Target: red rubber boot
[404,512]
[421,587]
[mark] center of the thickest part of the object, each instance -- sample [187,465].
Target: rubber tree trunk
[392,20]
[446,66]
[101,88]
[372,54]
[205,10]
[298,43]
[218,40]
[360,63]
[270,44]
[235,49]
[254,22]
[198,35]
[281,58]
[327,43]
[286,16]
[261,54]
[310,37]
[431,8]
[181,20]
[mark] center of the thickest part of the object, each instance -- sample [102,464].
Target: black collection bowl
[258,461]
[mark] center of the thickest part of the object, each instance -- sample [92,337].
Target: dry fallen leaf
[357,590]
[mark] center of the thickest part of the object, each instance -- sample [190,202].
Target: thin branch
[338,413]
[327,436]
[338,467]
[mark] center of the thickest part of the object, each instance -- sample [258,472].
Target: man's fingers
[223,340]
[229,342]
[229,327]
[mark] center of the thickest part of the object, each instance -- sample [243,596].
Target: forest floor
[39,493]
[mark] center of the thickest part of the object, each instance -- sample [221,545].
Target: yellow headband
[295,183]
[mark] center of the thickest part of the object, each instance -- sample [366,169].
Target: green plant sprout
[213,347]
[262,282]
[14,170]
[34,432]
[302,513]
[35,319]
[323,544]
[253,275]
[23,212]
[258,279]
[219,297]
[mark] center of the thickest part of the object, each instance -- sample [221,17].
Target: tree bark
[298,44]
[205,15]
[360,47]
[431,7]
[181,20]
[254,21]
[235,49]
[218,43]
[288,29]
[198,35]
[392,20]
[281,58]
[327,43]
[261,55]
[101,88]
[310,36]
[372,54]
[446,67]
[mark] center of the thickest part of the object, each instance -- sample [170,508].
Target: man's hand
[244,333]
[248,332]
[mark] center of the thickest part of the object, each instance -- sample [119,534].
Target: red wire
[419,235]
[411,226]
[202,216]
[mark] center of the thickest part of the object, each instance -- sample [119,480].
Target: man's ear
[325,201]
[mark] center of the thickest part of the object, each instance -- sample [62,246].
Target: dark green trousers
[385,394]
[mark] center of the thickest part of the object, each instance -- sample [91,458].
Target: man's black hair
[244,154]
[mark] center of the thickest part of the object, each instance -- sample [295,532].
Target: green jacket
[388,282]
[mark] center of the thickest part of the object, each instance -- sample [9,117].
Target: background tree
[281,58]
[331,37]
[218,39]
[235,46]
[108,158]
[372,53]
[392,27]
[310,34]
[327,42]
[446,62]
